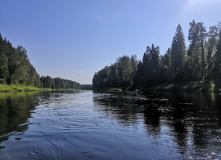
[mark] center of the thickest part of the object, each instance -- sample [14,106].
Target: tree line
[86,87]
[15,68]
[201,61]
[58,83]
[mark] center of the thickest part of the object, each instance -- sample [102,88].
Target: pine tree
[3,63]
[211,44]
[3,67]
[178,52]
[217,66]
[139,78]
[192,37]
[197,36]
[150,64]
[202,37]
[166,59]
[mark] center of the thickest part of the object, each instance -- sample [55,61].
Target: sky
[73,39]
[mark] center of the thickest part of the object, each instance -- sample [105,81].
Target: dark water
[87,125]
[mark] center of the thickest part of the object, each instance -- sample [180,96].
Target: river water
[86,125]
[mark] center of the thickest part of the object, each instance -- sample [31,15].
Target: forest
[15,68]
[199,62]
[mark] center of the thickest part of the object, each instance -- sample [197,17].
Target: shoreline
[194,87]
[19,88]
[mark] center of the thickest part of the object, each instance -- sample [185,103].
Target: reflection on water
[15,109]
[87,125]
[191,120]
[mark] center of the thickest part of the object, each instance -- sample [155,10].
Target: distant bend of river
[87,125]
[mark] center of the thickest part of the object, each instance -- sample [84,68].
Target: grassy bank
[17,88]
[20,88]
[108,89]
[185,87]
[200,87]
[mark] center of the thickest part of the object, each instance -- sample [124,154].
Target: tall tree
[217,65]
[21,66]
[3,67]
[125,71]
[166,66]
[150,64]
[202,36]
[178,52]
[192,37]
[197,36]
[213,37]
[3,63]
[134,63]
[193,51]
[166,59]
[139,77]
[113,77]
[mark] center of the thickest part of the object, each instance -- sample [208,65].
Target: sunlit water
[87,125]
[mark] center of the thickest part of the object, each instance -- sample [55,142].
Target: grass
[115,89]
[21,88]
[108,89]
[17,88]
[186,87]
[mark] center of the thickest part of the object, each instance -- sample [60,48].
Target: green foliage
[151,65]
[194,69]
[3,68]
[16,69]
[121,74]
[197,37]
[178,53]
[184,87]
[58,83]
[17,88]
[125,71]
[217,65]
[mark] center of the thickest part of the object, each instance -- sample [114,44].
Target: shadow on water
[16,109]
[114,105]
[193,121]
[14,113]
[198,115]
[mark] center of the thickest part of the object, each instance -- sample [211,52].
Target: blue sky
[73,39]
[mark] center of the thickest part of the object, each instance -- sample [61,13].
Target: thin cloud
[99,18]
[79,72]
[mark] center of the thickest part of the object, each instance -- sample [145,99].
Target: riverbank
[20,88]
[207,87]
[204,87]
[17,88]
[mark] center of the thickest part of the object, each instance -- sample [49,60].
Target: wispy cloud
[79,72]
[99,18]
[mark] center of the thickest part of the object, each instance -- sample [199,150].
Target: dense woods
[58,83]
[15,68]
[200,61]
[86,87]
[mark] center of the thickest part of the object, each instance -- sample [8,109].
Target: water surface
[87,125]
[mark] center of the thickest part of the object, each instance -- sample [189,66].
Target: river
[76,125]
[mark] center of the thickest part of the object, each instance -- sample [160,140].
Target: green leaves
[15,68]
[201,63]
